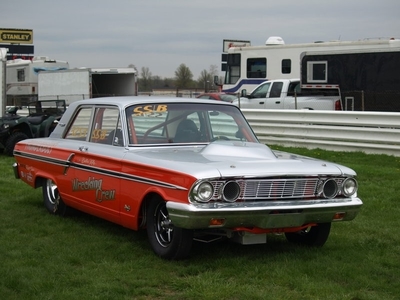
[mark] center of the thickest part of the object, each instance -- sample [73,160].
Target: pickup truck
[288,94]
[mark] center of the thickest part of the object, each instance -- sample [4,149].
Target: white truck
[84,83]
[288,94]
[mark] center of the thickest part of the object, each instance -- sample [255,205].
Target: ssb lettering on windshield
[147,110]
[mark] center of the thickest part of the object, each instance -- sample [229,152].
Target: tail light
[338,105]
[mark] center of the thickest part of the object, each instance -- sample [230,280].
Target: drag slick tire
[14,138]
[166,240]
[314,236]
[52,200]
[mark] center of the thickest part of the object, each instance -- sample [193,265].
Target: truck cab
[271,94]
[288,94]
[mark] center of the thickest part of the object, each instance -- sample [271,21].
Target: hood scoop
[238,149]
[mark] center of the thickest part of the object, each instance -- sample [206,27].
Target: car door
[274,99]
[97,147]
[257,98]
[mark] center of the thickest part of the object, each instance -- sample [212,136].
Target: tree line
[183,79]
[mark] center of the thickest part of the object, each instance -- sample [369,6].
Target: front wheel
[52,200]
[314,236]
[167,241]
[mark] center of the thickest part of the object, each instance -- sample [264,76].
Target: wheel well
[23,127]
[39,181]
[152,196]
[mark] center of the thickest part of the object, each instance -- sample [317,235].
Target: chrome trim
[266,214]
[67,164]
[273,188]
[330,188]
[15,169]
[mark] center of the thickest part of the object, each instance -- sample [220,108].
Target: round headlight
[349,187]
[330,188]
[203,192]
[231,191]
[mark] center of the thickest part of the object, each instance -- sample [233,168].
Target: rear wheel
[167,241]
[315,236]
[14,138]
[52,200]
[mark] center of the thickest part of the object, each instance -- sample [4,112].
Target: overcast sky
[163,34]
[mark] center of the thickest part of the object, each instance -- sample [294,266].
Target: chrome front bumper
[271,214]
[15,169]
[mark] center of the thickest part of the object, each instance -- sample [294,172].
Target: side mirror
[243,93]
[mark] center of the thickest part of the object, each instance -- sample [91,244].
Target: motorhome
[248,66]
[22,77]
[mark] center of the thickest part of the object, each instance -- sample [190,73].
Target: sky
[162,34]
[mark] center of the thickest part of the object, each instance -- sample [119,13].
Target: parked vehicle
[22,78]
[227,97]
[42,119]
[368,80]
[84,83]
[248,66]
[287,94]
[183,169]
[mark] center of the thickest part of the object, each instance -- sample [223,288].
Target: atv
[43,117]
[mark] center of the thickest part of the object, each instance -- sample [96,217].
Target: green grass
[82,257]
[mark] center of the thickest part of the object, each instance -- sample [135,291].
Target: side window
[79,128]
[276,90]
[317,71]
[261,91]
[232,68]
[256,67]
[21,75]
[106,127]
[286,66]
[294,87]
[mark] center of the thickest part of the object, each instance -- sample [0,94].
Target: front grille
[273,189]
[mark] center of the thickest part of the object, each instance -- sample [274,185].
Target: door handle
[278,102]
[261,102]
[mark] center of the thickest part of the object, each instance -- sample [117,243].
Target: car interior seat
[115,138]
[187,132]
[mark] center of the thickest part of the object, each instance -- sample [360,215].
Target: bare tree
[204,80]
[145,79]
[183,77]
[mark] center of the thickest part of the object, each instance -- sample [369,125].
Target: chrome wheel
[51,198]
[164,229]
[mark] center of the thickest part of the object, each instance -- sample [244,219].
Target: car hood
[237,159]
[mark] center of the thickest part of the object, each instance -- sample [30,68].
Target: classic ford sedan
[183,169]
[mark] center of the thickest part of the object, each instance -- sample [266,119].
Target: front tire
[314,236]
[167,241]
[52,200]
[14,138]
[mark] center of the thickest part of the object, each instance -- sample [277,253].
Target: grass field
[82,257]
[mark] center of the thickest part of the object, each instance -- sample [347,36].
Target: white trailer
[22,77]
[248,66]
[84,83]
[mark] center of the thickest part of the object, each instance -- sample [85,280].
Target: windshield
[167,123]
